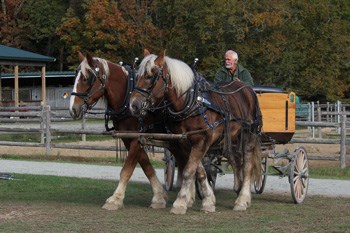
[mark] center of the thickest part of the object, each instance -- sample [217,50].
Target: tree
[10,31]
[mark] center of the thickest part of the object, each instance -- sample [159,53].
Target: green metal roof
[8,54]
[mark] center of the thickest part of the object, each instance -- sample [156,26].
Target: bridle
[149,94]
[95,74]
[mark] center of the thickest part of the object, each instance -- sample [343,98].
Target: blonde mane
[85,67]
[181,74]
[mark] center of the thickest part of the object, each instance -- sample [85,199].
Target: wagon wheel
[260,182]
[212,173]
[299,175]
[169,170]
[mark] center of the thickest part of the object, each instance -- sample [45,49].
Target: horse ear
[81,56]
[160,59]
[146,52]
[90,60]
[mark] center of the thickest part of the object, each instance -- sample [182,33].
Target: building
[30,93]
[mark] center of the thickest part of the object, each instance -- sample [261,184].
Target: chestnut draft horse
[95,78]
[227,117]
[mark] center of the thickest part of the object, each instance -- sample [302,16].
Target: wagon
[278,112]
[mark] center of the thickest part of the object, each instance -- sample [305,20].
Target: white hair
[234,54]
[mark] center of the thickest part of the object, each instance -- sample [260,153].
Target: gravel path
[275,184]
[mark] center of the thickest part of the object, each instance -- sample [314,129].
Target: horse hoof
[178,210]
[112,206]
[208,209]
[158,205]
[239,208]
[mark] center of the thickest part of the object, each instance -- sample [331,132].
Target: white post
[83,136]
[48,132]
[343,142]
[319,118]
[312,114]
[338,116]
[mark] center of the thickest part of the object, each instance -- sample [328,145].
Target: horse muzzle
[78,113]
[139,108]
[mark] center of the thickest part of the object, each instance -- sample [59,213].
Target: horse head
[89,84]
[159,78]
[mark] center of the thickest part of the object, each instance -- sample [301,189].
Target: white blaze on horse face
[72,97]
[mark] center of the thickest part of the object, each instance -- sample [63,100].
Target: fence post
[47,130]
[343,142]
[338,116]
[42,125]
[83,136]
[312,115]
[319,118]
[328,109]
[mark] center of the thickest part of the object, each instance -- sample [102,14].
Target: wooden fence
[44,117]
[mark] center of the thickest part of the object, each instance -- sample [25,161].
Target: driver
[233,71]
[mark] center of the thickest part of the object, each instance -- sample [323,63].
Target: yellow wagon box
[278,111]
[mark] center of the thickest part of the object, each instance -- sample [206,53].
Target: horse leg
[181,162]
[115,202]
[136,154]
[192,197]
[251,161]
[238,172]
[183,198]
[159,194]
[180,167]
[208,202]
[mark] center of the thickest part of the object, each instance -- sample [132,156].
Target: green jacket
[224,75]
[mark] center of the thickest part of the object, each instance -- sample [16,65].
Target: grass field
[59,204]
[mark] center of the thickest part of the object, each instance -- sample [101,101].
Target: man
[232,70]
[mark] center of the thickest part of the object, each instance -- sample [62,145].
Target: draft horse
[96,78]
[226,117]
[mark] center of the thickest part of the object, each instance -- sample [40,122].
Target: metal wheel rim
[259,184]
[299,175]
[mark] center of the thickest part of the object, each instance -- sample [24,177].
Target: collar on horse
[123,112]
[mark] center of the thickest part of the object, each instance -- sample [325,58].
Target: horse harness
[123,112]
[197,102]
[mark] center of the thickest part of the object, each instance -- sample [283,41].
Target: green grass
[330,173]
[59,204]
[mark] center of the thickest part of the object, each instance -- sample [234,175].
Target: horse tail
[257,149]
[257,158]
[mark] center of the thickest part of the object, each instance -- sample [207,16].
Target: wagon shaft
[159,136]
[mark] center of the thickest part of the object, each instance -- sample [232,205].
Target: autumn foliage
[300,45]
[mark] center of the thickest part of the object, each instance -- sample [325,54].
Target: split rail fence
[37,119]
